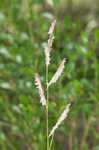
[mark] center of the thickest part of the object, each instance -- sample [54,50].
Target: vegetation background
[23,30]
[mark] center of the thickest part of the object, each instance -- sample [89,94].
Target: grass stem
[47,107]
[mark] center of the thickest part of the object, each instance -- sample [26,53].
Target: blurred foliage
[23,30]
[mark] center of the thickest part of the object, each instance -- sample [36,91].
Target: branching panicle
[43,100]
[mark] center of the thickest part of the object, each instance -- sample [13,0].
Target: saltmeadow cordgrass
[44,100]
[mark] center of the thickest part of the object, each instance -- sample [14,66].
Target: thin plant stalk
[47,107]
[51,142]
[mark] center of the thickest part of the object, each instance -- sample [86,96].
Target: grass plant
[45,100]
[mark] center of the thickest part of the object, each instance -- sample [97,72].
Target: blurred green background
[24,26]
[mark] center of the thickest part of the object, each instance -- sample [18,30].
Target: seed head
[58,72]
[41,91]
[62,117]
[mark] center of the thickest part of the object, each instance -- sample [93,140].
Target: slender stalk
[51,142]
[47,107]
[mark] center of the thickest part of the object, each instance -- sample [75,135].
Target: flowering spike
[47,47]
[51,33]
[41,91]
[47,54]
[62,117]
[58,72]
[51,30]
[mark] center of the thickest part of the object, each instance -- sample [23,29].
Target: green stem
[47,107]
[51,141]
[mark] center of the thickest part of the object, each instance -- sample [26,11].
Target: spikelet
[47,47]
[47,54]
[39,86]
[51,30]
[58,72]
[62,117]
[51,33]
